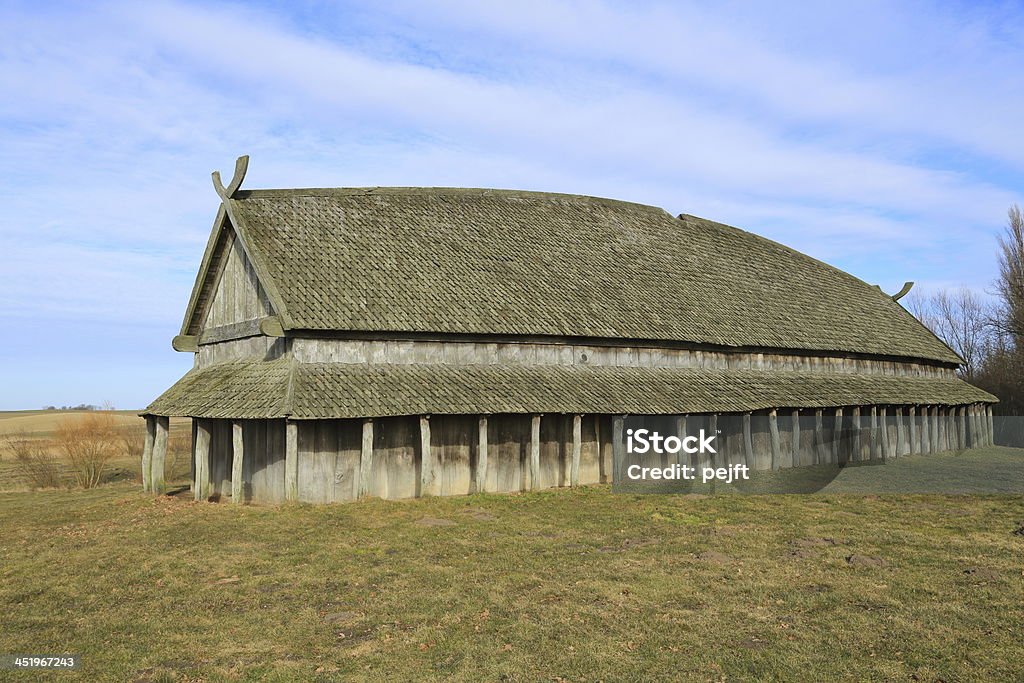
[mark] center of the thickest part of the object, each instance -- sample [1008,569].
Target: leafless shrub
[89,442]
[179,453]
[34,460]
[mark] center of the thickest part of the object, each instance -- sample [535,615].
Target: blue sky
[883,138]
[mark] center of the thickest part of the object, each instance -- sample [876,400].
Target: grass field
[566,585]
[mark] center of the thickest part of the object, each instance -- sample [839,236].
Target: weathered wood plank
[291,461]
[915,444]
[201,484]
[795,417]
[748,442]
[873,439]
[837,435]
[773,429]
[856,455]
[577,448]
[886,448]
[618,448]
[428,466]
[481,455]
[991,426]
[159,456]
[535,453]
[367,458]
[147,453]
[237,459]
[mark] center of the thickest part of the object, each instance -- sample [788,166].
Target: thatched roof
[441,260]
[288,388]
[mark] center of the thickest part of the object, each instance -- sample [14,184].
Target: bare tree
[960,318]
[1010,285]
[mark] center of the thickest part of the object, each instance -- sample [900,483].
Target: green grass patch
[570,585]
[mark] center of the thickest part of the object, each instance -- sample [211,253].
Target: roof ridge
[435,190]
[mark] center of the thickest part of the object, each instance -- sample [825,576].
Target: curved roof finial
[241,166]
[903,292]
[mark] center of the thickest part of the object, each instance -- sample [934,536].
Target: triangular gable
[227,289]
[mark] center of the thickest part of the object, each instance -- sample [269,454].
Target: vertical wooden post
[976,439]
[681,434]
[291,460]
[200,485]
[899,431]
[940,422]
[884,436]
[618,448]
[481,455]
[147,454]
[820,453]
[873,440]
[718,459]
[933,423]
[856,456]
[773,429]
[925,431]
[915,445]
[962,427]
[535,453]
[991,424]
[428,470]
[837,435]
[577,447]
[748,442]
[237,454]
[795,416]
[159,457]
[366,458]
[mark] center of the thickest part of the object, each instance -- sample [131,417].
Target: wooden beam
[857,455]
[991,425]
[899,432]
[291,460]
[618,448]
[481,455]
[748,442]
[873,440]
[933,422]
[237,455]
[200,484]
[366,458]
[961,413]
[773,428]
[795,417]
[225,193]
[837,435]
[885,447]
[185,343]
[427,466]
[147,454]
[163,424]
[915,444]
[271,327]
[719,458]
[820,452]
[535,453]
[925,436]
[577,448]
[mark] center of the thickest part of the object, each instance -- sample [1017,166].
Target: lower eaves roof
[286,388]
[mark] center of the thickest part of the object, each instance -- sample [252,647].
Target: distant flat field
[43,423]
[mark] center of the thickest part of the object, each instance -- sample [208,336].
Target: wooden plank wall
[238,295]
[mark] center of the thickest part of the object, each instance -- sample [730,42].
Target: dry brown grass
[33,460]
[89,443]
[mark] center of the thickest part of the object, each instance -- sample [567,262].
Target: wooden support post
[795,417]
[933,423]
[147,454]
[618,448]
[237,455]
[991,425]
[773,429]
[535,453]
[577,447]
[940,426]
[899,432]
[481,455]
[915,445]
[873,440]
[856,456]
[975,427]
[884,447]
[681,434]
[820,452]
[961,432]
[748,442]
[428,471]
[201,483]
[291,460]
[366,458]
[163,425]
[925,431]
[837,435]
[717,459]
